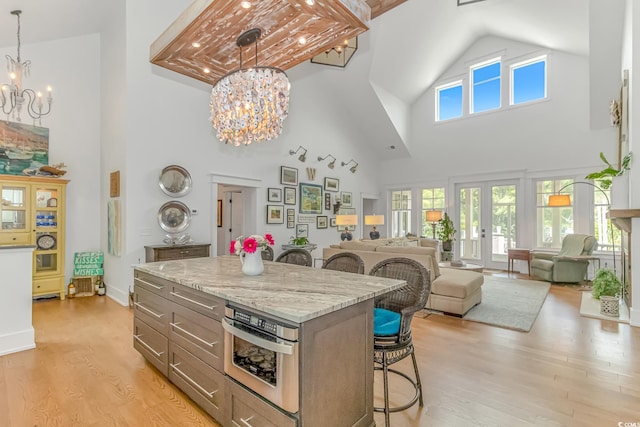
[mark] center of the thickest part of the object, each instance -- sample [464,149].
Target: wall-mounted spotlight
[352,168]
[331,164]
[302,157]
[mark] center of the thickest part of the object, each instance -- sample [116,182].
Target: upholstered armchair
[565,266]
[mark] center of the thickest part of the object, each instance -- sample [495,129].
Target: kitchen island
[324,374]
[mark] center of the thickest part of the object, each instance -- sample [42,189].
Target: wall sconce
[302,157]
[331,164]
[433,217]
[352,168]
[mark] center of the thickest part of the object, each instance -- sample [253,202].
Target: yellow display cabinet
[32,210]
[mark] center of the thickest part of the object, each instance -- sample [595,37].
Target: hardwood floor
[568,371]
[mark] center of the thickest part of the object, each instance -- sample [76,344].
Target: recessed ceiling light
[302,40]
[245,4]
[195,44]
[310,2]
[206,70]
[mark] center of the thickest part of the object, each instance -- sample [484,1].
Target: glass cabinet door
[46,226]
[13,208]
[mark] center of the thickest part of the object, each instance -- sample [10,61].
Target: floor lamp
[433,217]
[563,200]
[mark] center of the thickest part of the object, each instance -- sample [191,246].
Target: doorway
[487,222]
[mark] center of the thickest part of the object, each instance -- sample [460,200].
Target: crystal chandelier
[13,96]
[250,104]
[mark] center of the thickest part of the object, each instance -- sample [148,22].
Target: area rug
[590,307]
[509,303]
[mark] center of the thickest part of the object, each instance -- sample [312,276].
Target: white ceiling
[401,56]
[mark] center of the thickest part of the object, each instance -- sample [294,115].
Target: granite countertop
[292,292]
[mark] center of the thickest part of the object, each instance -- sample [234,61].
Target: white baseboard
[634,317]
[17,341]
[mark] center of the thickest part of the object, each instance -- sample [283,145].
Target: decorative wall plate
[46,242]
[175,181]
[174,217]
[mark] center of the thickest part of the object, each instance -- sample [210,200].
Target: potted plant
[299,241]
[606,175]
[446,232]
[606,287]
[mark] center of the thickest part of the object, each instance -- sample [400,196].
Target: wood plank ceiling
[201,42]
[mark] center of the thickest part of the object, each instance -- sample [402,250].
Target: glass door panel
[13,208]
[470,230]
[503,221]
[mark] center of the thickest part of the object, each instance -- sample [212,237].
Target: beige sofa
[452,291]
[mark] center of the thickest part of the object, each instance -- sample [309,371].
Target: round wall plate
[46,241]
[174,217]
[175,181]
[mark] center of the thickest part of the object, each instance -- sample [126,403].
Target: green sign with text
[88,264]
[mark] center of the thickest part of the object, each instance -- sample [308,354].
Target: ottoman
[455,291]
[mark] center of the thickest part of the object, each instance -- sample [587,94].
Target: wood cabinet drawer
[151,283]
[198,380]
[209,305]
[167,253]
[51,285]
[15,238]
[246,409]
[199,334]
[151,344]
[152,309]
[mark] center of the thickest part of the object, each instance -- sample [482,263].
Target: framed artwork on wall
[331,184]
[321,222]
[289,195]
[274,195]
[310,199]
[332,223]
[346,198]
[302,230]
[288,176]
[327,201]
[291,218]
[275,214]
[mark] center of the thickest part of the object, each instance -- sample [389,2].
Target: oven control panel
[256,322]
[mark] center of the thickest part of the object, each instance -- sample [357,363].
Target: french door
[486,223]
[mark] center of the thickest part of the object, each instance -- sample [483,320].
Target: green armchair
[564,267]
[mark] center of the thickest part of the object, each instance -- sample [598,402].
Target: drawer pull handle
[150,284]
[195,384]
[176,294]
[246,421]
[210,344]
[153,313]
[137,337]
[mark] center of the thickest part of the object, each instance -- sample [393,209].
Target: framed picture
[332,222]
[274,195]
[327,201]
[321,222]
[291,218]
[275,214]
[288,176]
[331,184]
[346,198]
[310,199]
[219,213]
[302,230]
[289,195]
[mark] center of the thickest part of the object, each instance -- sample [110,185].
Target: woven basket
[610,306]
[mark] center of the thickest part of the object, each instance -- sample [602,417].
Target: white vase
[620,192]
[252,263]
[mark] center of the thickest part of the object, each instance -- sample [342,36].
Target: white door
[486,222]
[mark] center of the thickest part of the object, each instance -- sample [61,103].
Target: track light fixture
[331,164]
[302,157]
[352,168]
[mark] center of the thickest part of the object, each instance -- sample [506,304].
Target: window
[485,86]
[432,199]
[400,213]
[552,223]
[604,232]
[449,101]
[529,80]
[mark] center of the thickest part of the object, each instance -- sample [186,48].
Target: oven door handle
[269,345]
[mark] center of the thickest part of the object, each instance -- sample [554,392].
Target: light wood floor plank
[567,371]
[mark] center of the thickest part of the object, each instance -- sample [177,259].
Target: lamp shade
[559,200]
[374,219]
[346,219]
[433,216]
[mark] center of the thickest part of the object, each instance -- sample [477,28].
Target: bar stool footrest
[406,405]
